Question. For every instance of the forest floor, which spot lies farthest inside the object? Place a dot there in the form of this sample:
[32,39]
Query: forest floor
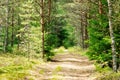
[67,66]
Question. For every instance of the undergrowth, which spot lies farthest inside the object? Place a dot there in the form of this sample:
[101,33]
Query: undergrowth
[106,73]
[14,67]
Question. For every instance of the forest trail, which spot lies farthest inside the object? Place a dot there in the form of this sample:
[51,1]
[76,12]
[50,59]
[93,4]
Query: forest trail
[65,67]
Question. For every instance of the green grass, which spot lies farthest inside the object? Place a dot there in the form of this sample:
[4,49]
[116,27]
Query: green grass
[75,49]
[59,50]
[55,74]
[14,67]
[106,73]
[57,69]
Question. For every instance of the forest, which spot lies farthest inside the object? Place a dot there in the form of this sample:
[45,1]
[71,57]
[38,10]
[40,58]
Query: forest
[59,39]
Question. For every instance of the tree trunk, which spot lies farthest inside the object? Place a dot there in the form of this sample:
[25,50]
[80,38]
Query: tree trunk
[12,36]
[82,31]
[100,7]
[85,30]
[6,27]
[49,10]
[42,24]
[18,41]
[112,36]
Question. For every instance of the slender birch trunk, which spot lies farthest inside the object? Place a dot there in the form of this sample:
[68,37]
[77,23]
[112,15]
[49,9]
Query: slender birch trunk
[112,36]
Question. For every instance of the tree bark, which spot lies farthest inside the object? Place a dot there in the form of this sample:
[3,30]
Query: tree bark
[18,41]
[42,24]
[100,7]
[112,36]
[6,27]
[85,29]
[12,36]
[49,10]
[82,30]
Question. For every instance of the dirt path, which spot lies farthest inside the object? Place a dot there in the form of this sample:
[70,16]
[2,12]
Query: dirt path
[65,67]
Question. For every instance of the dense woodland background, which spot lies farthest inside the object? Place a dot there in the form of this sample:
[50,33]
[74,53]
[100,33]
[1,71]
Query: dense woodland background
[32,28]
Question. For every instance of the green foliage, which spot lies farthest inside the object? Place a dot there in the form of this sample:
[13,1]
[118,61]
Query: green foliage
[102,70]
[49,55]
[99,41]
[69,41]
[58,32]
[99,37]
[117,38]
[24,28]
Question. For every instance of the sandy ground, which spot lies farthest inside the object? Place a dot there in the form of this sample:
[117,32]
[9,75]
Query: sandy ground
[64,67]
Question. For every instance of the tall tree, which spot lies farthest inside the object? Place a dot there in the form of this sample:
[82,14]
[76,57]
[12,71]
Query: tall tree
[43,25]
[12,24]
[112,35]
[6,26]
